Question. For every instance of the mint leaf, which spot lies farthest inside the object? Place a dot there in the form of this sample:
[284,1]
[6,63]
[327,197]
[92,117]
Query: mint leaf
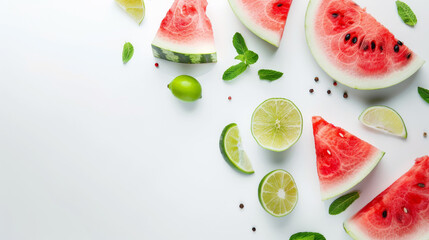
[338,206]
[239,43]
[406,13]
[127,52]
[240,57]
[234,71]
[270,75]
[424,93]
[251,57]
[307,236]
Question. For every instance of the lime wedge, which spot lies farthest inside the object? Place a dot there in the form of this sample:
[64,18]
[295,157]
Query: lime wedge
[278,193]
[384,119]
[134,8]
[232,150]
[276,124]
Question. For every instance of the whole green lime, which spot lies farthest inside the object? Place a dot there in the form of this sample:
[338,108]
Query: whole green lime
[185,88]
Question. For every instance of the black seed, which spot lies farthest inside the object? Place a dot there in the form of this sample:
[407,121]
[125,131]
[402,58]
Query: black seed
[425,134]
[381,48]
[400,43]
[347,37]
[396,48]
[409,56]
[422,185]
[311,90]
[280,4]
[365,48]
[316,79]
[329,91]
[372,45]
[334,15]
[254,229]
[345,95]
[241,205]
[384,213]
[354,40]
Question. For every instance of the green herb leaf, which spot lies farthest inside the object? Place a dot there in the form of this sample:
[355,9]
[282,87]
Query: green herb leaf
[424,93]
[341,204]
[127,52]
[234,71]
[270,75]
[239,43]
[406,13]
[307,236]
[251,57]
[240,57]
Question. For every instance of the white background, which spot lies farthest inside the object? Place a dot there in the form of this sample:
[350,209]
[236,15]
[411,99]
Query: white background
[94,149]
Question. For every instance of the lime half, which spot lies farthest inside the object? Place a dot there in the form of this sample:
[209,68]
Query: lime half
[232,150]
[134,8]
[278,193]
[276,124]
[384,119]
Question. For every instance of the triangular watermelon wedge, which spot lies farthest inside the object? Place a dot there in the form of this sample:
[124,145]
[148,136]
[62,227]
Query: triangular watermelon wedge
[343,160]
[400,212]
[186,34]
[265,18]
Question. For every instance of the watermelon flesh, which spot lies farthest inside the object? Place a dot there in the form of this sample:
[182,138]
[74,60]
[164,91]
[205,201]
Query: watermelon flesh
[186,34]
[355,49]
[265,18]
[343,160]
[401,212]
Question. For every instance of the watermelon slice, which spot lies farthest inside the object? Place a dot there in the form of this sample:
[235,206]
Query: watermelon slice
[186,34]
[355,49]
[343,160]
[401,212]
[265,18]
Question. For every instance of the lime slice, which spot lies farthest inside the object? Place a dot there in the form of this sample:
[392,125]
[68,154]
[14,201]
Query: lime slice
[384,119]
[232,151]
[278,193]
[276,124]
[134,8]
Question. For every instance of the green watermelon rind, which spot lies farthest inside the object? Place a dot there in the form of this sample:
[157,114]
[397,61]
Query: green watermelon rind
[344,78]
[362,175]
[253,29]
[189,58]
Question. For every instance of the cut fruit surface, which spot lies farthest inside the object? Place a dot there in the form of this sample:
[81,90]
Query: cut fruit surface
[354,49]
[400,212]
[265,18]
[186,34]
[278,193]
[384,119]
[343,160]
[232,150]
[276,124]
[134,8]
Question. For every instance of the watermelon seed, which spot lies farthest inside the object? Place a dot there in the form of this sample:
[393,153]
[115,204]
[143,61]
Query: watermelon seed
[316,79]
[384,214]
[365,48]
[373,45]
[341,135]
[409,56]
[347,37]
[381,48]
[396,48]
[354,40]
[329,152]
[254,229]
[422,185]
[311,90]
[345,95]
[280,4]
[335,83]
[329,91]
[425,134]
[334,15]
[241,206]
[400,43]
[405,210]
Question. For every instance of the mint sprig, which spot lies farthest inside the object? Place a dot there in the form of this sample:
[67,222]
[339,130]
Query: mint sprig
[246,57]
[127,52]
[341,204]
[307,236]
[407,15]
[424,94]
